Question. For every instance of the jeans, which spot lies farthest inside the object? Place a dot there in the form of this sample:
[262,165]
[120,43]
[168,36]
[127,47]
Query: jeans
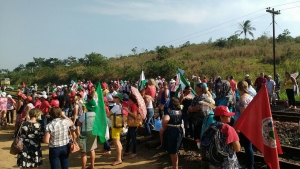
[66,110]
[131,137]
[11,114]
[59,154]
[148,122]
[106,146]
[248,151]
[197,131]
[43,122]
[188,125]
[291,96]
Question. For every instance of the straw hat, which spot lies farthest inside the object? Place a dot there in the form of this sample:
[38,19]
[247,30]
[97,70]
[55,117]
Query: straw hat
[208,102]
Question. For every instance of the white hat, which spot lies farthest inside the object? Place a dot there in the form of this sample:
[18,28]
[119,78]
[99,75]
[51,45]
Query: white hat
[65,85]
[44,93]
[247,75]
[44,96]
[37,95]
[9,96]
[59,87]
[3,94]
[172,81]
[269,76]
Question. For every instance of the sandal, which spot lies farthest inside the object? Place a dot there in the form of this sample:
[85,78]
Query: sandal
[107,153]
[132,156]
[116,163]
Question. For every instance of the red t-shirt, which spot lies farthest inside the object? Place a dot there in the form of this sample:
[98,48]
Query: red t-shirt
[45,107]
[204,81]
[134,108]
[37,104]
[72,94]
[233,85]
[54,103]
[260,81]
[230,133]
[151,91]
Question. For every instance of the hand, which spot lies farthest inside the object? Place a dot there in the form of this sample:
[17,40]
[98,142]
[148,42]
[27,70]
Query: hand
[47,116]
[23,119]
[126,109]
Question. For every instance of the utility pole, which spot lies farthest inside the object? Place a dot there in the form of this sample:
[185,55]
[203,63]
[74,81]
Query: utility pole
[273,12]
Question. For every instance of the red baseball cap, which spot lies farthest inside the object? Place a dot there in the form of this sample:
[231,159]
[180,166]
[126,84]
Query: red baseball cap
[29,98]
[223,111]
[22,96]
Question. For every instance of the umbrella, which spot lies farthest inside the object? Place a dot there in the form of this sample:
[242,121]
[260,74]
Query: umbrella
[140,101]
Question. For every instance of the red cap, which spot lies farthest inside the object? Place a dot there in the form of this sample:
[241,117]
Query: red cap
[22,96]
[223,111]
[54,96]
[29,98]
[104,85]
[73,93]
[105,99]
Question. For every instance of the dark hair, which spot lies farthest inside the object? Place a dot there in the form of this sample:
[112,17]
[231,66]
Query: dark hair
[174,104]
[133,98]
[231,77]
[165,83]
[217,118]
[90,97]
[203,89]
[66,91]
[248,81]
[55,112]
[187,87]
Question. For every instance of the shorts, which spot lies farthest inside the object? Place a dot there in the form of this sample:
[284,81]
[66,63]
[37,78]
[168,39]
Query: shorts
[19,118]
[116,133]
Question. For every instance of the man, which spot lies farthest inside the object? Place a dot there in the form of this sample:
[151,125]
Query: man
[247,76]
[110,95]
[172,86]
[44,107]
[277,88]
[260,81]
[271,90]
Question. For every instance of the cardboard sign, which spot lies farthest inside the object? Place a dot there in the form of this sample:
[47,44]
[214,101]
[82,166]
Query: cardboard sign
[3,103]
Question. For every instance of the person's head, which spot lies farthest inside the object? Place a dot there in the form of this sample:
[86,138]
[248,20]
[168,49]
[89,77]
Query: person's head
[160,85]
[132,99]
[174,104]
[91,105]
[54,96]
[76,98]
[34,113]
[222,114]
[187,89]
[230,77]
[165,85]
[207,104]
[9,97]
[276,75]
[242,87]
[269,77]
[90,97]
[287,75]
[143,92]
[28,99]
[93,89]
[200,89]
[43,97]
[151,82]
[262,74]
[66,91]
[21,97]
[247,76]
[55,112]
[111,88]
[118,98]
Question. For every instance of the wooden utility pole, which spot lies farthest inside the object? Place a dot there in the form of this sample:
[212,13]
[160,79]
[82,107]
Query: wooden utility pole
[273,12]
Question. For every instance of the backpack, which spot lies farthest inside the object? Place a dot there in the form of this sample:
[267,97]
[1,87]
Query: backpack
[213,145]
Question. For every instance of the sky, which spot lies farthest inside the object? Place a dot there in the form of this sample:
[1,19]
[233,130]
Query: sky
[59,29]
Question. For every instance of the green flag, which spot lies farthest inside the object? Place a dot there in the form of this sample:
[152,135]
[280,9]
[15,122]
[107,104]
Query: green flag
[182,82]
[142,81]
[100,123]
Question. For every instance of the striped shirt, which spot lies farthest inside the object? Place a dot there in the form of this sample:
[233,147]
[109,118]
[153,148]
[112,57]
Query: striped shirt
[58,130]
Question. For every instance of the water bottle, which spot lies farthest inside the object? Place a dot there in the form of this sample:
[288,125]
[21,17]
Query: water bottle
[157,124]
[198,143]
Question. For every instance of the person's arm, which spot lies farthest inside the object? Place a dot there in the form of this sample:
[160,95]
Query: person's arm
[27,113]
[165,121]
[75,113]
[293,80]
[236,146]
[46,138]
[19,105]
[181,99]
[132,113]
[63,116]
[242,108]
[147,100]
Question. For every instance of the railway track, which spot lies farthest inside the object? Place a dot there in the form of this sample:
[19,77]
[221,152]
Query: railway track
[286,116]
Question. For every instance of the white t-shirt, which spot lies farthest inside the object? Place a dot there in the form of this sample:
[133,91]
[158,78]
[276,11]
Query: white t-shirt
[270,85]
[89,121]
[116,109]
[31,106]
[109,97]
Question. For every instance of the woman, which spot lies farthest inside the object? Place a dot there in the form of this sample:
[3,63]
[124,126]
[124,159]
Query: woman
[224,95]
[94,94]
[116,132]
[56,135]
[77,112]
[151,88]
[208,104]
[195,112]
[20,106]
[28,107]
[289,83]
[131,134]
[173,133]
[244,101]
[86,121]
[229,140]
[150,113]
[164,100]
[186,100]
[32,135]
[11,105]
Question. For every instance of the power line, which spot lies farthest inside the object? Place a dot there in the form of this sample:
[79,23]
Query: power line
[290,8]
[285,4]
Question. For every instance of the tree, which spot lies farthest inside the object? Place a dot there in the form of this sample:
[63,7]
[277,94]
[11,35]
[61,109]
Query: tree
[134,50]
[245,27]
[39,62]
[162,52]
[284,36]
[19,68]
[95,59]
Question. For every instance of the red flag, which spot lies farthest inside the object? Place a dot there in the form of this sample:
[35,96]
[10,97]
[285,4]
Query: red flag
[256,123]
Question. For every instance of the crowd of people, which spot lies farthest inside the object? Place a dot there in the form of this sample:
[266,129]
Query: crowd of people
[69,112]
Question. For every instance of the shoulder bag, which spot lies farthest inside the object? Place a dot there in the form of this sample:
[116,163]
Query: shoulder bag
[74,147]
[135,122]
[17,145]
[118,120]
[82,139]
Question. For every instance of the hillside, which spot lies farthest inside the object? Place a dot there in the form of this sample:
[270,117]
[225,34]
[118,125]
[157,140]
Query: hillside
[225,56]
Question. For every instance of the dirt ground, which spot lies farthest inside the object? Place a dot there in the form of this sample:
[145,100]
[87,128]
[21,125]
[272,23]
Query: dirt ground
[147,158]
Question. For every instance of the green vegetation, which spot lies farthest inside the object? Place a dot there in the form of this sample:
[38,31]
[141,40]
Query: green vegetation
[224,56]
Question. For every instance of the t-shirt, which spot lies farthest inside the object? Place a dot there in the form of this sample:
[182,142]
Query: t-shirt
[134,108]
[116,109]
[29,105]
[44,107]
[54,103]
[37,103]
[151,91]
[109,97]
[233,85]
[270,86]
[89,121]
[67,101]
[230,133]
[260,81]
[252,91]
